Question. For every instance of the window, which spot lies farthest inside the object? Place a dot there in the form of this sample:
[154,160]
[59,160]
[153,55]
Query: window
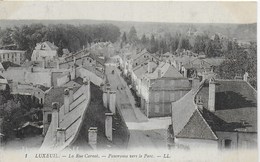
[157,97]
[41,101]
[49,118]
[227,143]
[157,109]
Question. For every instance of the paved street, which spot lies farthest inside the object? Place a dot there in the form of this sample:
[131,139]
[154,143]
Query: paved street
[144,132]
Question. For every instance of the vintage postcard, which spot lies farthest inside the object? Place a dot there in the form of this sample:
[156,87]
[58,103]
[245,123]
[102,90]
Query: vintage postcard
[128,81]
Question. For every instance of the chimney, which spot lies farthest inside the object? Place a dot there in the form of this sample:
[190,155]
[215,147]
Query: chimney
[74,60]
[43,63]
[105,99]
[92,137]
[180,65]
[159,73]
[212,89]
[195,82]
[112,101]
[149,67]
[106,96]
[86,83]
[245,76]
[108,126]
[199,103]
[55,115]
[71,94]
[73,72]
[58,64]
[60,136]
[66,101]
[185,72]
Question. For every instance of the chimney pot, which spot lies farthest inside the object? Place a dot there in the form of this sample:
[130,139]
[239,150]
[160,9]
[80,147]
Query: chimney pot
[112,101]
[212,93]
[60,136]
[66,101]
[92,137]
[55,115]
[108,126]
[71,94]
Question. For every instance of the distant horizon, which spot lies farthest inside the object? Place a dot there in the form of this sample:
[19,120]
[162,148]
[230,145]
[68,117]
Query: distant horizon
[201,12]
[125,21]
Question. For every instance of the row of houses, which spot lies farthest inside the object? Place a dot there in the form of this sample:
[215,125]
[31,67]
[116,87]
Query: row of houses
[206,112]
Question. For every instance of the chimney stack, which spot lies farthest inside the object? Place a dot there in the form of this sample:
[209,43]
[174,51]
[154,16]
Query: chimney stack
[199,102]
[105,99]
[112,101]
[43,63]
[149,67]
[184,72]
[71,94]
[92,137]
[108,126]
[74,60]
[86,83]
[195,82]
[245,77]
[60,136]
[106,96]
[180,65]
[58,64]
[212,92]
[159,73]
[55,115]
[66,101]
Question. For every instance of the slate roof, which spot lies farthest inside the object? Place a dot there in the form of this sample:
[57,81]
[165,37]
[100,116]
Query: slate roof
[167,71]
[141,70]
[136,56]
[50,45]
[197,128]
[235,101]
[43,88]
[71,121]
[55,95]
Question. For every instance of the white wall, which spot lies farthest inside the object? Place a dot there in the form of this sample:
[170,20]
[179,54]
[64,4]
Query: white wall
[90,75]
[194,144]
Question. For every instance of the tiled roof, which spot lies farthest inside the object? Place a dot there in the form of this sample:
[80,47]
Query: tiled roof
[235,101]
[55,95]
[167,71]
[197,128]
[51,45]
[184,59]
[71,121]
[141,70]
[183,109]
[136,56]
[43,88]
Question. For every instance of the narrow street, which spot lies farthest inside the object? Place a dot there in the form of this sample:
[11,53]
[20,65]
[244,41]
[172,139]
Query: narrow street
[144,132]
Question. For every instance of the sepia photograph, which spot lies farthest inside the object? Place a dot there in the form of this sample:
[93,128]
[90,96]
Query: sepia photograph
[128,80]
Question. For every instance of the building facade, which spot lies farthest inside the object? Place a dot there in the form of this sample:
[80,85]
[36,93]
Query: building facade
[14,56]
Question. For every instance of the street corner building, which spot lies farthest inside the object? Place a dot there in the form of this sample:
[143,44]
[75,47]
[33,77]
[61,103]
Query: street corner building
[216,114]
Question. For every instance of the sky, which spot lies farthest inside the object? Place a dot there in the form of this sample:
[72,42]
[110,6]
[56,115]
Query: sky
[169,11]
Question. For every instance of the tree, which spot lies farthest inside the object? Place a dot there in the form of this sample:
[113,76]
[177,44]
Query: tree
[132,36]
[124,39]
[153,47]
[143,39]
[209,51]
